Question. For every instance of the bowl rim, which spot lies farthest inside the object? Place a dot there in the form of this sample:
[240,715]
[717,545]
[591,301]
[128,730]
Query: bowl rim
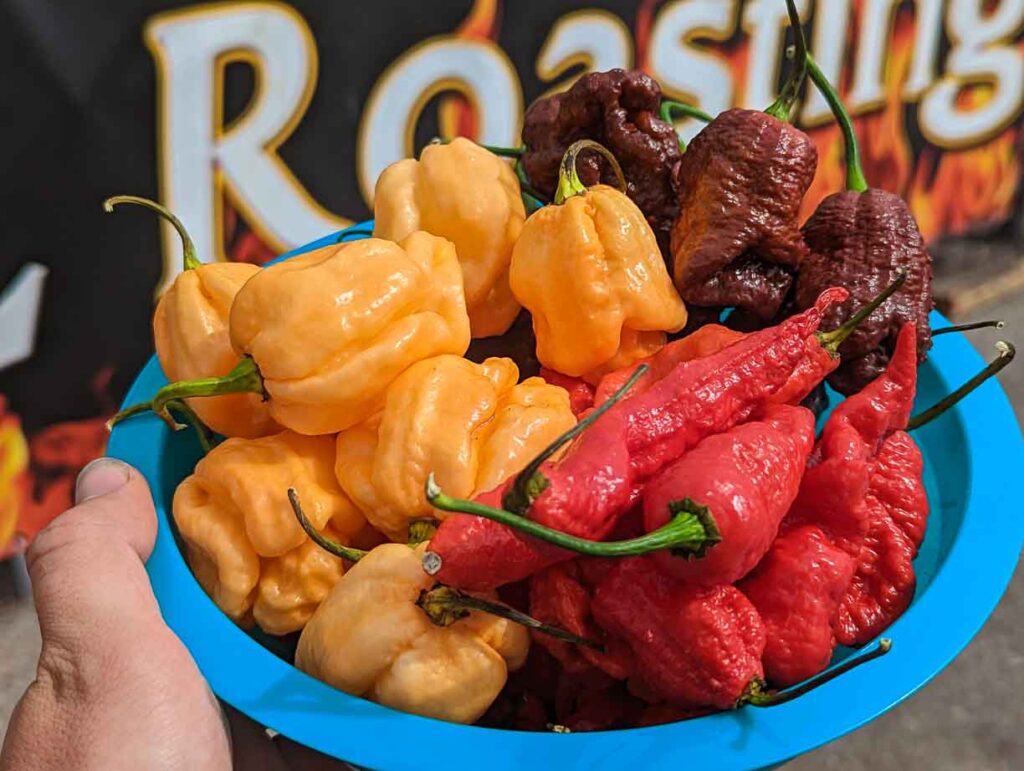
[977,566]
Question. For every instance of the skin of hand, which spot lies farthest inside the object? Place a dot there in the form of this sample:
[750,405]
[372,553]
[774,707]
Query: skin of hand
[115,688]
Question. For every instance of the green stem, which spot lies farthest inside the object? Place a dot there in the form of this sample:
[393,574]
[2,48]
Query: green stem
[203,433]
[328,544]
[782,106]
[993,323]
[690,532]
[244,378]
[526,186]
[421,530]
[529,483]
[1006,354]
[855,179]
[569,183]
[756,696]
[670,108]
[832,340]
[190,261]
[445,605]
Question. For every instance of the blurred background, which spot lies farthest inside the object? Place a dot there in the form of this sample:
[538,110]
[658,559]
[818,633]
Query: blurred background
[264,125]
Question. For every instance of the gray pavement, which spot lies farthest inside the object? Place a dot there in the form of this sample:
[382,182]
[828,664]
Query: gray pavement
[969,718]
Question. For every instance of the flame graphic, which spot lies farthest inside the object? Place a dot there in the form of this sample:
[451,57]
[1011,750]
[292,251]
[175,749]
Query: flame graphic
[13,474]
[455,114]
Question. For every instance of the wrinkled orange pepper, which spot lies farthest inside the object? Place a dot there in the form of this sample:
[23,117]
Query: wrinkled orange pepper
[470,196]
[589,270]
[190,331]
[470,424]
[242,540]
[323,335]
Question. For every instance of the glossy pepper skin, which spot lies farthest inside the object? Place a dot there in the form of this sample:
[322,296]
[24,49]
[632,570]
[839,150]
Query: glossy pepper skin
[619,109]
[369,639]
[589,269]
[331,329]
[736,240]
[472,425]
[464,193]
[581,393]
[747,477]
[599,478]
[692,646]
[797,589]
[190,331]
[241,538]
[860,240]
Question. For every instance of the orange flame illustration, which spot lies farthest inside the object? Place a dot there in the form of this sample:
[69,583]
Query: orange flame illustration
[455,114]
[13,474]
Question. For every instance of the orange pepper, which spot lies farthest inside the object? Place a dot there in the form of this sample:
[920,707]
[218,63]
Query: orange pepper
[590,272]
[470,196]
[190,331]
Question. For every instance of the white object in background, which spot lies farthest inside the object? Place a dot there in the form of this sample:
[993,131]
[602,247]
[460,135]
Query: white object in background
[19,313]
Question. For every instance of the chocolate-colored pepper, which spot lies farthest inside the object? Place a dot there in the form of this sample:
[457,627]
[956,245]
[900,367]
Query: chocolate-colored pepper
[860,239]
[736,241]
[619,109]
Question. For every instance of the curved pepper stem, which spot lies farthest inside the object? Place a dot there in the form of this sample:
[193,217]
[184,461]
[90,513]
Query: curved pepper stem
[569,183]
[529,483]
[669,109]
[203,433]
[445,605]
[855,179]
[832,340]
[244,378]
[527,190]
[782,106]
[1006,354]
[993,323]
[327,544]
[191,260]
[757,696]
[690,532]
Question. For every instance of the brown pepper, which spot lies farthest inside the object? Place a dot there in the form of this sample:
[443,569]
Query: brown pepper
[861,240]
[619,109]
[736,240]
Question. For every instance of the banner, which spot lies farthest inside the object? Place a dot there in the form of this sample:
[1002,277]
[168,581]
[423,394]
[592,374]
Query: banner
[264,125]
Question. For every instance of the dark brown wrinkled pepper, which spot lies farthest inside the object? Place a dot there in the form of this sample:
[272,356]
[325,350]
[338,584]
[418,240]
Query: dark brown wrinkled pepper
[860,239]
[736,241]
[619,109]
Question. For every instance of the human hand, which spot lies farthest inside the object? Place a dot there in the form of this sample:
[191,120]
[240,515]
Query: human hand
[115,688]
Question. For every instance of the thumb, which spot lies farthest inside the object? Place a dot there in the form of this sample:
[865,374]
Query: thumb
[87,566]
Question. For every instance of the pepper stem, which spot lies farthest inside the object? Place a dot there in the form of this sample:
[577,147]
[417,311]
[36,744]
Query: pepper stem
[445,605]
[689,532]
[670,108]
[756,696]
[855,179]
[782,106]
[244,378]
[190,260]
[526,187]
[421,530]
[569,183]
[1006,354]
[203,433]
[327,544]
[994,323]
[832,340]
[529,483]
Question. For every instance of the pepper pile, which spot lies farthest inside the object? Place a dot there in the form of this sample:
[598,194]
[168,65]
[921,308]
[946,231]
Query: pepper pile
[658,517]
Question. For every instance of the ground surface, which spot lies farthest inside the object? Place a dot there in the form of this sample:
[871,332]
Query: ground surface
[970,717]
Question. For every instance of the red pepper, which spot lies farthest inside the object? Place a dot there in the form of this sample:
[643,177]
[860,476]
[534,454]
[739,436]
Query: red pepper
[692,646]
[897,480]
[747,477]
[559,596]
[709,339]
[581,393]
[797,589]
[586,492]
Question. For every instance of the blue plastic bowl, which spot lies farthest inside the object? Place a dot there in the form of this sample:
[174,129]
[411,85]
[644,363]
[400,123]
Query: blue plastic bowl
[974,457]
